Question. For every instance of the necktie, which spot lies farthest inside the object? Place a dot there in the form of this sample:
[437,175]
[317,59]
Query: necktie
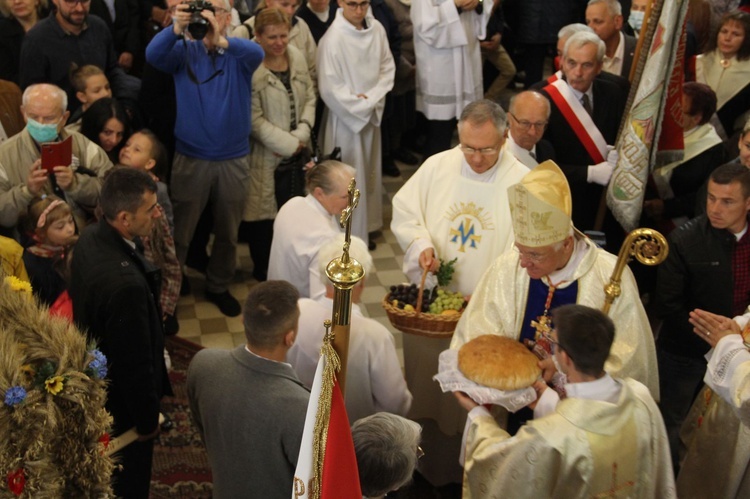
[586,103]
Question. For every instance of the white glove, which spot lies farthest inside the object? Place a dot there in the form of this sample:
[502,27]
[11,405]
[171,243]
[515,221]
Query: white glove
[600,174]
[612,156]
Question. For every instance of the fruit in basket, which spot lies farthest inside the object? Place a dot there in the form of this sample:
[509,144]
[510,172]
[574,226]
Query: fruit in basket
[446,300]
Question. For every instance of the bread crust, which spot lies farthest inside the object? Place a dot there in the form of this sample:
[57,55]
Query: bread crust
[498,362]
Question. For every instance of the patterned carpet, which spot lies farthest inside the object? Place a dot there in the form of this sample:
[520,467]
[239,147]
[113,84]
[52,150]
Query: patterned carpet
[180,468]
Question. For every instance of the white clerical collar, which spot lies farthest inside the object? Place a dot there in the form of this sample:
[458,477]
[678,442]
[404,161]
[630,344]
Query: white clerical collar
[266,358]
[523,155]
[605,389]
[568,271]
[614,64]
[486,177]
[323,16]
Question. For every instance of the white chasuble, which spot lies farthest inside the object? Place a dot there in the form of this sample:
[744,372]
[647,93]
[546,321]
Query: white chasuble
[716,433]
[459,217]
[498,306]
[354,62]
[587,448]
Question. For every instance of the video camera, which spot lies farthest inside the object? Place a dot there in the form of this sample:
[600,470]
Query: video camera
[198,26]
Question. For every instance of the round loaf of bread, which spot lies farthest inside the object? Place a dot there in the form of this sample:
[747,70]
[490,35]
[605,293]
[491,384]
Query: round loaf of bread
[498,362]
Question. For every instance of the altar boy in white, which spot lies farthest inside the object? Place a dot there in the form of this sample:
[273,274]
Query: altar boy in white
[355,72]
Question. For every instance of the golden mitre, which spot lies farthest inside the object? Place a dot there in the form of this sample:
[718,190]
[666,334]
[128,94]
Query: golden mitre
[541,206]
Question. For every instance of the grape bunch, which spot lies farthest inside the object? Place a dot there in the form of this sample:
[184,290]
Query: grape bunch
[447,300]
[405,297]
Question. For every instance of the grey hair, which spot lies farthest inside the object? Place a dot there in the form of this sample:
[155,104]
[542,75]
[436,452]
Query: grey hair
[539,97]
[613,6]
[746,128]
[482,111]
[583,38]
[333,249]
[39,87]
[325,175]
[572,29]
[386,449]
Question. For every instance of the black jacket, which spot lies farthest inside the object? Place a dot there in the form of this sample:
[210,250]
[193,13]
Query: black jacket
[696,274]
[115,295]
[125,29]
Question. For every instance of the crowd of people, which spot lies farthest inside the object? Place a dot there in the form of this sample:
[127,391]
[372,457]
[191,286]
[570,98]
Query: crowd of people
[133,131]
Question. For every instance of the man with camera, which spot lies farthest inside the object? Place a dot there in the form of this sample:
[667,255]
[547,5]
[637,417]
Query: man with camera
[212,77]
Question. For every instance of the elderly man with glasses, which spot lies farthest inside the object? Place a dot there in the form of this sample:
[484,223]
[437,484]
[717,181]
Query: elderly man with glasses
[529,115]
[455,206]
[551,265]
[71,36]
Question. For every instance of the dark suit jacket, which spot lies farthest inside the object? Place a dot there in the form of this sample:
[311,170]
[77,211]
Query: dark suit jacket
[628,54]
[622,83]
[572,156]
[115,294]
[545,151]
[125,29]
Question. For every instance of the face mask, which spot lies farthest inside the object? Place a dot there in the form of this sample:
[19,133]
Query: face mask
[41,133]
[636,19]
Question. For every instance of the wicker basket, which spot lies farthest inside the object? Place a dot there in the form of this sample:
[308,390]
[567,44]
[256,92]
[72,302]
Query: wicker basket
[416,322]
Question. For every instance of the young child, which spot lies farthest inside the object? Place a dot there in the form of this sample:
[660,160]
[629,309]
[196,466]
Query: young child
[91,84]
[143,151]
[49,223]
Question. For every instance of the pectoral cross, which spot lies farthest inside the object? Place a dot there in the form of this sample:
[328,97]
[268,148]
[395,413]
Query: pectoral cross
[346,218]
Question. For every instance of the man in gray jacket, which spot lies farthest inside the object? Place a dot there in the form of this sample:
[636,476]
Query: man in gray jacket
[248,404]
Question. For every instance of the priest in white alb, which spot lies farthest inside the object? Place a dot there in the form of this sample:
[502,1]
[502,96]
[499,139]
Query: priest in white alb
[455,206]
[606,438]
[355,72]
[552,264]
[449,62]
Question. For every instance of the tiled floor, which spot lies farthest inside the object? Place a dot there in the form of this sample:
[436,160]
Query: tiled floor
[201,322]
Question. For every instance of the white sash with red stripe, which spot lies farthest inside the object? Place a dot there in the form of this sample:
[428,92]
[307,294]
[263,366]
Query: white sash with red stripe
[578,119]
[557,75]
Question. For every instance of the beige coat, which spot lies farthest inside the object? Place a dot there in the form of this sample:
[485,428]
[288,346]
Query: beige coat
[271,139]
[19,153]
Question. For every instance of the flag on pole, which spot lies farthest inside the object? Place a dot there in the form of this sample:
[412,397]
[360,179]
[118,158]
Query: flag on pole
[652,131]
[327,465]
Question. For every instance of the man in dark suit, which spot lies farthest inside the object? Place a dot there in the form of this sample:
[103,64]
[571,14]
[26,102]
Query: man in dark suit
[527,119]
[115,294]
[122,19]
[605,18]
[583,124]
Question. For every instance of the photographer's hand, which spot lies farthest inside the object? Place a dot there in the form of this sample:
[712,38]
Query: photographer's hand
[181,19]
[214,38]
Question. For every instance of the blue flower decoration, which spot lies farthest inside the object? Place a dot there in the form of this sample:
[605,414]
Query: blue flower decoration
[99,364]
[15,395]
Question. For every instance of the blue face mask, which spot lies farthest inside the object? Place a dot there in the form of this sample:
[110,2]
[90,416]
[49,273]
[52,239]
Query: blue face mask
[40,132]
[636,19]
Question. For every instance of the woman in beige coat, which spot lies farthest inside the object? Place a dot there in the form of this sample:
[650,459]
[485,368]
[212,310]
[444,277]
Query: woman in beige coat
[283,113]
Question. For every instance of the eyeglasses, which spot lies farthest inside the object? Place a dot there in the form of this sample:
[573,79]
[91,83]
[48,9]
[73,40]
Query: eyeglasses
[526,125]
[357,5]
[532,256]
[72,3]
[420,452]
[485,151]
